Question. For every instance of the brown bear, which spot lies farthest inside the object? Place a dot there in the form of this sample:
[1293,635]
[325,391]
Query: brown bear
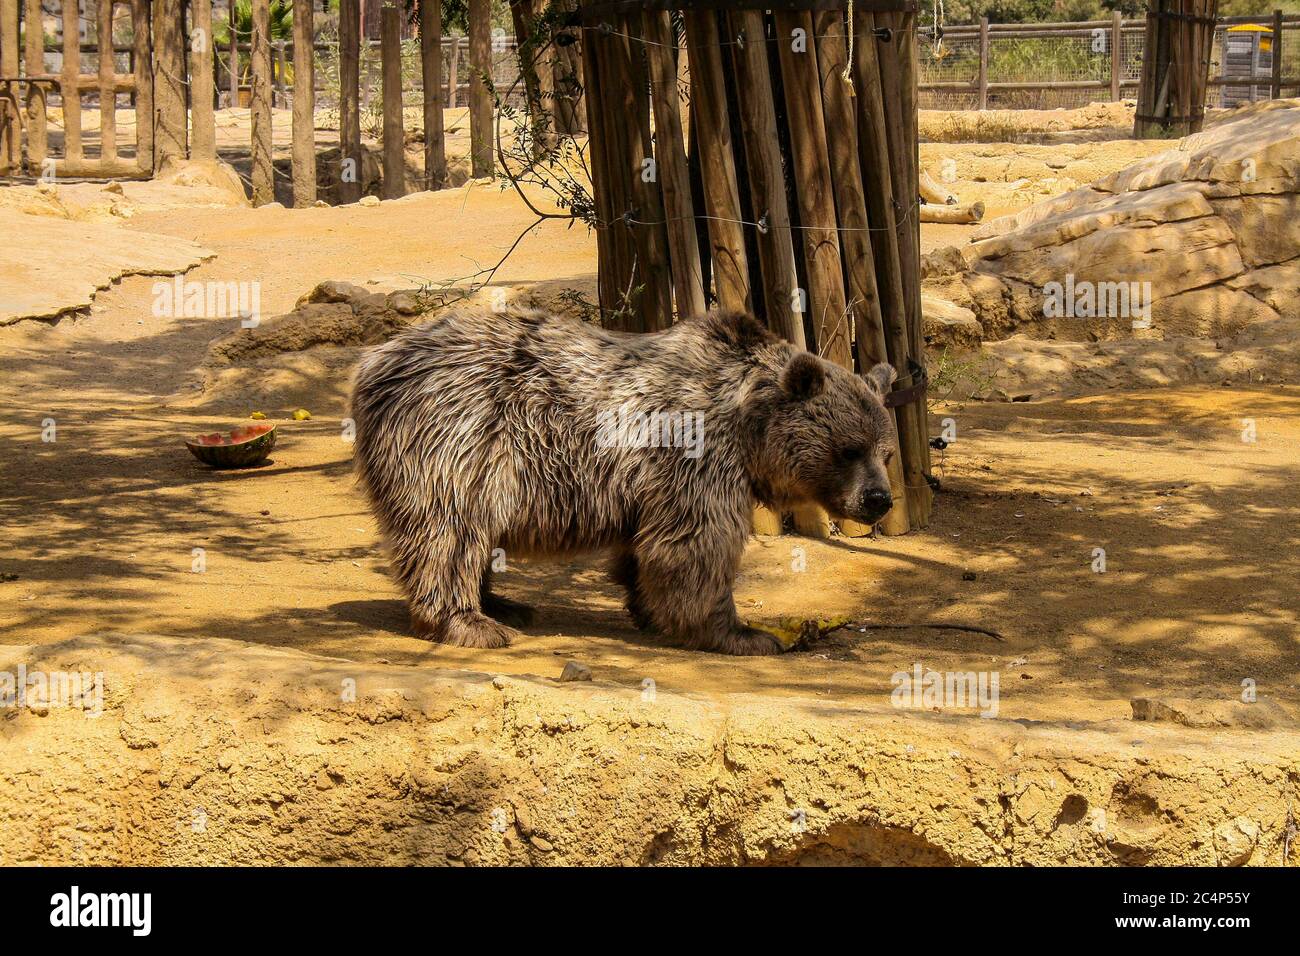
[543,435]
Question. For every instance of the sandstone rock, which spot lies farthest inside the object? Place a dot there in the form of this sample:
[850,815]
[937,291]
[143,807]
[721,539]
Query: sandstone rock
[949,325]
[368,201]
[573,671]
[1211,713]
[1266,228]
[1235,841]
[1277,286]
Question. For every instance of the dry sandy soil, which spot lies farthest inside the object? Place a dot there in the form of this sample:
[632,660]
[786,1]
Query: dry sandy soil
[228,733]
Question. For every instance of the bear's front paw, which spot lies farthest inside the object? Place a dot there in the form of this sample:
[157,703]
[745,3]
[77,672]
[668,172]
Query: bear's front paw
[470,630]
[748,641]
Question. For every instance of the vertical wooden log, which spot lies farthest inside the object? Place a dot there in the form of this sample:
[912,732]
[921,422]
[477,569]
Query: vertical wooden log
[568,79]
[11,126]
[435,148]
[983,80]
[873,147]
[1116,54]
[670,157]
[234,56]
[757,108]
[69,88]
[482,145]
[453,74]
[202,82]
[534,66]
[263,170]
[107,80]
[349,109]
[33,38]
[1277,54]
[390,52]
[606,187]
[897,63]
[38,138]
[34,64]
[729,263]
[838,101]
[812,178]
[629,132]
[9,37]
[144,115]
[304,108]
[171,125]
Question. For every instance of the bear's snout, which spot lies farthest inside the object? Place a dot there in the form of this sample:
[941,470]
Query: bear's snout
[875,504]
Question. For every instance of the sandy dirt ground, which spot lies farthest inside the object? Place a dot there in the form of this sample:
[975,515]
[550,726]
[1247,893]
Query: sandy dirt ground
[100,526]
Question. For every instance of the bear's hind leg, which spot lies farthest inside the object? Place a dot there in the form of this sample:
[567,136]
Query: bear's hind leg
[686,590]
[502,609]
[443,578]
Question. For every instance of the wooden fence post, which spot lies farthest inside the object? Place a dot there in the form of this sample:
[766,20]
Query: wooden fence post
[351,168]
[71,95]
[144,116]
[34,59]
[453,73]
[984,64]
[8,37]
[730,264]
[201,78]
[1116,54]
[390,53]
[435,149]
[1277,54]
[670,158]
[234,58]
[263,170]
[482,147]
[11,124]
[304,108]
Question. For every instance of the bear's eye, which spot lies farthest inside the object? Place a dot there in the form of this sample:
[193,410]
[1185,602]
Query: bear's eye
[853,453]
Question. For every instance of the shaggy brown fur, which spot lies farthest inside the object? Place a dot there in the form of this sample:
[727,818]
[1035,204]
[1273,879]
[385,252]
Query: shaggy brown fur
[484,430]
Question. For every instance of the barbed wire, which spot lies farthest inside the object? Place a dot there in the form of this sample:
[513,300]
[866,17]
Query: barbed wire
[762,225]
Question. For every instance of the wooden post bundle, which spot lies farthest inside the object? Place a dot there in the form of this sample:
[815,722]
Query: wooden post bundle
[1175,68]
[304,108]
[350,165]
[820,183]
[481,138]
[435,150]
[390,52]
[263,170]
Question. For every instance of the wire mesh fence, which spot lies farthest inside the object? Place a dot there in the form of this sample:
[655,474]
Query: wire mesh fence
[1068,65]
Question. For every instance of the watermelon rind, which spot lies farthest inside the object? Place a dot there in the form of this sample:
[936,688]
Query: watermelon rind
[244,454]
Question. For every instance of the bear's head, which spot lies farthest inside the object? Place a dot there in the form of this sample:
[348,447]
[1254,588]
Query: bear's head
[820,433]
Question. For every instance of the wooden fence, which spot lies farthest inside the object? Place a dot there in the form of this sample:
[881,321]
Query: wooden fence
[1047,65]
[177,77]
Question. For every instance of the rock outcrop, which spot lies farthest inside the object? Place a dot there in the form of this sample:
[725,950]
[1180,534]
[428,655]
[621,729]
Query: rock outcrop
[1188,253]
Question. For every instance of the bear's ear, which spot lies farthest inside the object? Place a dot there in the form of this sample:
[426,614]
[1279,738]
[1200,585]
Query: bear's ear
[880,378]
[803,377]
